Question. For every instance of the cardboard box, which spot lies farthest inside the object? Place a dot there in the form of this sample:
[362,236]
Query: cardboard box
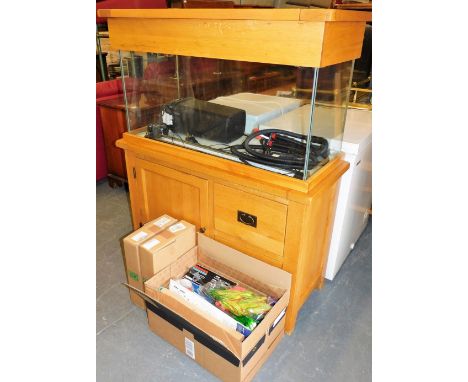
[131,252]
[165,248]
[222,351]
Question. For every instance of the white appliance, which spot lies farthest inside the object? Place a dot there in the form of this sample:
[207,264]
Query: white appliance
[259,108]
[355,192]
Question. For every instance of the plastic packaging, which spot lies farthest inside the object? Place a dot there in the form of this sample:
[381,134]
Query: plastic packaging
[240,302]
[181,288]
[202,278]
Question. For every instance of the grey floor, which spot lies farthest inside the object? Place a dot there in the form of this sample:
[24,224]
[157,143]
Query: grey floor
[332,340]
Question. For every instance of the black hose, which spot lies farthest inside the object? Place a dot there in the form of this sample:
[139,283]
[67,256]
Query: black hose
[283,149]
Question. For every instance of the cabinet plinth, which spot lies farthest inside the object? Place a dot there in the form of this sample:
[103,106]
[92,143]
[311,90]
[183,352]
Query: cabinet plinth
[282,221]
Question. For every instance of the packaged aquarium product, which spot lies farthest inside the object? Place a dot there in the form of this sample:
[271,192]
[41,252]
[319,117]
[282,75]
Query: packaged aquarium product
[201,277]
[181,288]
[240,301]
[245,306]
[241,308]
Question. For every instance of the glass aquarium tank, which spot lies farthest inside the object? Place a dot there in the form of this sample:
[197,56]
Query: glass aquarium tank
[281,118]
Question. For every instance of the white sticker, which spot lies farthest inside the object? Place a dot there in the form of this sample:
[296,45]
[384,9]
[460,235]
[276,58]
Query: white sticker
[139,236]
[176,227]
[151,243]
[167,118]
[189,348]
[163,221]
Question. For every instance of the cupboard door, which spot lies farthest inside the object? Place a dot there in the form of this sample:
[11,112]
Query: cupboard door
[167,191]
[250,223]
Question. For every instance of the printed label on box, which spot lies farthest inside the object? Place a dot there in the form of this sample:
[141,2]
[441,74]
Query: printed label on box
[177,227]
[189,348]
[163,221]
[139,236]
[151,243]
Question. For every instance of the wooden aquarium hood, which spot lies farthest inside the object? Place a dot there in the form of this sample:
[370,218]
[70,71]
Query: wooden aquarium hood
[299,37]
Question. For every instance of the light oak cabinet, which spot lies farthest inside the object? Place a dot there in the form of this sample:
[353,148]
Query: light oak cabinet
[283,221]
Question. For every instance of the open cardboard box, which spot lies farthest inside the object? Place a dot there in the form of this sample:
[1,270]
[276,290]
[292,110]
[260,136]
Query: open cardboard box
[223,351]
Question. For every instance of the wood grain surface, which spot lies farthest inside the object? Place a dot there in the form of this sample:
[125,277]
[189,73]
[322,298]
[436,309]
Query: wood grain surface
[276,36]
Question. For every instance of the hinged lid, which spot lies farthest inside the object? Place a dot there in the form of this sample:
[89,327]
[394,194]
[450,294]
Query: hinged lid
[300,37]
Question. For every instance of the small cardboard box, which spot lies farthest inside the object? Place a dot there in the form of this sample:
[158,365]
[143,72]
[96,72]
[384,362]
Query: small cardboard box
[165,248]
[222,351]
[131,252]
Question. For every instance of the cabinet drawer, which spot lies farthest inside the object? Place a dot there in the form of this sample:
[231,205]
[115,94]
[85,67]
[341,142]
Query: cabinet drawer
[250,223]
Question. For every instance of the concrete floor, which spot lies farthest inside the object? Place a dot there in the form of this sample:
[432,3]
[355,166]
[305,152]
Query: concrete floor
[332,340]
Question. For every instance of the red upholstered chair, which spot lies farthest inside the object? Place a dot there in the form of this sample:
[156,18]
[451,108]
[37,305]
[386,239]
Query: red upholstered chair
[159,70]
[207,4]
[104,90]
[127,4]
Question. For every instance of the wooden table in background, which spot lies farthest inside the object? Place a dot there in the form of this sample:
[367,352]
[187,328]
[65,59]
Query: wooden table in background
[114,124]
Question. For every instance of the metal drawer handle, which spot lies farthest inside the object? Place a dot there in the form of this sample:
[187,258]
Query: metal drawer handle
[246,218]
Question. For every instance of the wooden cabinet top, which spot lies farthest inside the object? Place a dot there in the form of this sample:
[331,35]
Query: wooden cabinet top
[300,37]
[210,166]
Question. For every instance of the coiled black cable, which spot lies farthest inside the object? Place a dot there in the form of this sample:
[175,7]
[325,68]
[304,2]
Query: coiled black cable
[282,149]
